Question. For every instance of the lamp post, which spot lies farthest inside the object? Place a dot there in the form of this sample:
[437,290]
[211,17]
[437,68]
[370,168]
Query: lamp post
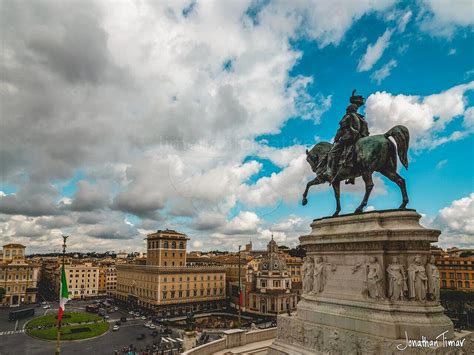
[58,337]
[240,289]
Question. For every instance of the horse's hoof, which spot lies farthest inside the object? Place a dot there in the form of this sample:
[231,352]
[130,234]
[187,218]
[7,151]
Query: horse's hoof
[335,214]
[304,202]
[403,206]
[359,210]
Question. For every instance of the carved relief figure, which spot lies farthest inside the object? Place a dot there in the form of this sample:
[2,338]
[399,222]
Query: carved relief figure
[308,270]
[397,283]
[319,275]
[432,273]
[417,280]
[313,338]
[375,279]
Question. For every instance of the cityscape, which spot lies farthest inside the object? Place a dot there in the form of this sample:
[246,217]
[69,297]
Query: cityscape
[261,177]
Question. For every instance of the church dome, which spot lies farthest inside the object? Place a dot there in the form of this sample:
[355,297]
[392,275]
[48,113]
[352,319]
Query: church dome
[273,261]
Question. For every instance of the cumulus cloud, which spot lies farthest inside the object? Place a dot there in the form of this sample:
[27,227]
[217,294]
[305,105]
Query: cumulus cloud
[155,108]
[443,18]
[457,223]
[374,52]
[426,117]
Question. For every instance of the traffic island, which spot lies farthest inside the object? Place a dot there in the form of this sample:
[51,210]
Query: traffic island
[75,326]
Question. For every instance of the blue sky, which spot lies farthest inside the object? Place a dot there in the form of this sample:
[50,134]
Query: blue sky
[120,120]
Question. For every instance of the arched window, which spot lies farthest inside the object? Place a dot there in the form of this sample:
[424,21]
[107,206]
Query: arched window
[173,245]
[181,245]
[165,244]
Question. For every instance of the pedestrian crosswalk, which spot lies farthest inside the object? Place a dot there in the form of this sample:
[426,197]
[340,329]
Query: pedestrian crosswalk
[11,332]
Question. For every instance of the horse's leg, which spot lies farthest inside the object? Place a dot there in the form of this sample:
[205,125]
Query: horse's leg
[337,193]
[397,179]
[315,181]
[369,184]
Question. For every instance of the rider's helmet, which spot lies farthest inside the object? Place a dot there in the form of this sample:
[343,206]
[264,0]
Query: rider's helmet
[357,100]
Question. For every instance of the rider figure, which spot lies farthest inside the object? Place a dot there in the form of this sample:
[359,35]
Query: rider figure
[353,126]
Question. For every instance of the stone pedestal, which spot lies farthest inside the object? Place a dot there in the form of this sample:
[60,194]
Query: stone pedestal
[189,340]
[368,284]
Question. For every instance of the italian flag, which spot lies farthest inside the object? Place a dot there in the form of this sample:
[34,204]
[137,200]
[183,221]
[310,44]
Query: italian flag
[63,294]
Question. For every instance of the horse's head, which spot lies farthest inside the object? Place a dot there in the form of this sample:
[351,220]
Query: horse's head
[317,154]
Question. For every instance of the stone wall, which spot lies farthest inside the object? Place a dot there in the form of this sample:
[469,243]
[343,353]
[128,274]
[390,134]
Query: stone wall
[234,338]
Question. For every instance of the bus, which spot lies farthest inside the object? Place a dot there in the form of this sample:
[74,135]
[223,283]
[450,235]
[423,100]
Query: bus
[21,313]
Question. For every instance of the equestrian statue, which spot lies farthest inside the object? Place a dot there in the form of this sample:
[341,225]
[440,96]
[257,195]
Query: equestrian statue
[356,153]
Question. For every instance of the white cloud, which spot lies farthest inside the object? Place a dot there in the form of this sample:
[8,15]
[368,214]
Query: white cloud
[457,223]
[135,97]
[442,18]
[403,21]
[384,72]
[197,244]
[426,117]
[374,52]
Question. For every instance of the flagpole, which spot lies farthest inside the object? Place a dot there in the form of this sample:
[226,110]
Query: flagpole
[240,291]
[58,337]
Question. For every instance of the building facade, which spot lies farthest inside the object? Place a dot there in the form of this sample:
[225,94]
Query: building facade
[18,277]
[271,290]
[456,269]
[166,285]
[82,280]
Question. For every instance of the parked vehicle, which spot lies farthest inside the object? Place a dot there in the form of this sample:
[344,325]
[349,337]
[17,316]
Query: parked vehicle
[115,327]
[46,306]
[123,319]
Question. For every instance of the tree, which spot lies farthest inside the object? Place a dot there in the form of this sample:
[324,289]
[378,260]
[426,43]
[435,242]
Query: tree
[298,251]
[2,293]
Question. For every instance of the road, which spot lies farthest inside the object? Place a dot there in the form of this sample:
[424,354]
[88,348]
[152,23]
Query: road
[13,339]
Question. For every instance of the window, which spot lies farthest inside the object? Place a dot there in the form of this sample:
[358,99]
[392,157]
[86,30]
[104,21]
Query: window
[180,294]
[466,276]
[165,245]
[173,245]
[443,275]
[164,295]
[460,284]
[173,294]
[166,263]
[451,275]
[187,293]
[466,284]
[181,246]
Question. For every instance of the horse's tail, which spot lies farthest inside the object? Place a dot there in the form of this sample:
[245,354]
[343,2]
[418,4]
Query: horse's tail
[402,138]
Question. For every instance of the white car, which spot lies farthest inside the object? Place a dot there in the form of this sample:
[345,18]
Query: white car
[131,313]
[152,326]
[115,327]
[143,317]
[46,306]
[115,309]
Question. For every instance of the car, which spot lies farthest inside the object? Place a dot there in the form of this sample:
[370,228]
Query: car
[118,323]
[115,309]
[131,313]
[143,318]
[115,327]
[146,324]
[44,303]
[141,336]
[154,333]
[123,319]
[152,326]
[106,317]
[46,306]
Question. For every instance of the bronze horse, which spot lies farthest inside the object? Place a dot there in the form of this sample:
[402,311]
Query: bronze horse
[372,153]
